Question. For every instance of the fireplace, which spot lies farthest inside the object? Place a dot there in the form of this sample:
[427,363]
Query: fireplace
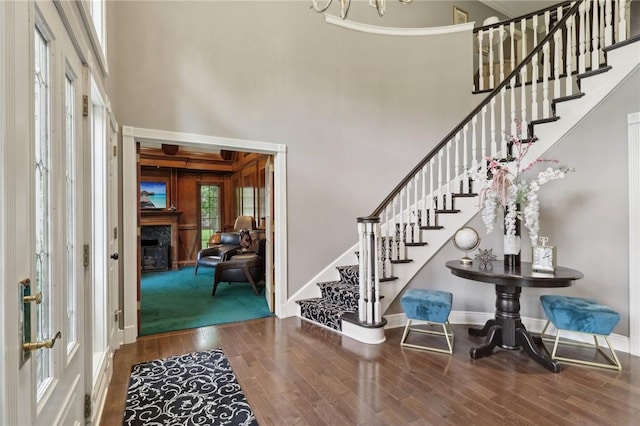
[155,256]
[159,226]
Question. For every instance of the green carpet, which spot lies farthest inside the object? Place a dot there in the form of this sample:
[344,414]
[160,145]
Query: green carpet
[178,300]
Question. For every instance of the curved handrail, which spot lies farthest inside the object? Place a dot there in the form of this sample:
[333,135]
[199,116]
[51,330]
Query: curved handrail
[559,25]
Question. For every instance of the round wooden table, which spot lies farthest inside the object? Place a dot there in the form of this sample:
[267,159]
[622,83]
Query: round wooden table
[506,329]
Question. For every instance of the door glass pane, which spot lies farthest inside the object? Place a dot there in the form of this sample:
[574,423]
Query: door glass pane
[70,213]
[209,212]
[42,206]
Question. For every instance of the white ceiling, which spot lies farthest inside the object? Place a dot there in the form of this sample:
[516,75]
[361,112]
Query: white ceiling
[515,8]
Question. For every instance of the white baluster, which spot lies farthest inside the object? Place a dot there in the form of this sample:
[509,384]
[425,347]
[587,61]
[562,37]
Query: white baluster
[512,45]
[440,203]
[514,111]
[523,46]
[601,31]
[362,309]
[401,250]
[535,72]
[595,38]
[582,42]
[474,142]
[622,21]
[570,46]
[394,235]
[480,61]
[385,246]
[432,207]
[546,59]
[501,35]
[523,99]
[465,161]
[377,316]
[503,114]
[608,18]
[415,228]
[408,213]
[456,165]
[424,195]
[491,76]
[448,178]
[557,58]
[492,117]
[588,34]
[483,141]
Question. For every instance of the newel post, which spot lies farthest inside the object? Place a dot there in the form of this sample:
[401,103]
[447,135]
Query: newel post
[369,303]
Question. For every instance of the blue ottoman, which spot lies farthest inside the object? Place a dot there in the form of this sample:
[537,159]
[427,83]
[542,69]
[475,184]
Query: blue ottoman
[431,306]
[581,315]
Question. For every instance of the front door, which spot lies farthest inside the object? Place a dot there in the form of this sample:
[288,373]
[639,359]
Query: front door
[49,250]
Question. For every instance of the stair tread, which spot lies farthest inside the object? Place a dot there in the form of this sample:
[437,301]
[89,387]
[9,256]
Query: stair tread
[432,227]
[448,211]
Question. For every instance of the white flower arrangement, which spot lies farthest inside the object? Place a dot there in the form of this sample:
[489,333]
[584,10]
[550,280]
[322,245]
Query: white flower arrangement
[503,189]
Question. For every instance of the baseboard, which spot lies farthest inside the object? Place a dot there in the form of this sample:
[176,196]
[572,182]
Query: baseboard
[130,334]
[535,325]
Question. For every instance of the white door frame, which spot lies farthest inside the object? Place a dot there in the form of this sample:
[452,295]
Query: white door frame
[130,201]
[633,121]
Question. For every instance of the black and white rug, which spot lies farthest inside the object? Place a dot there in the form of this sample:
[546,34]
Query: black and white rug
[193,389]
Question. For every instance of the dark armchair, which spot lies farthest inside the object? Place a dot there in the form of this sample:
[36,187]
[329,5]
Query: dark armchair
[242,268]
[229,243]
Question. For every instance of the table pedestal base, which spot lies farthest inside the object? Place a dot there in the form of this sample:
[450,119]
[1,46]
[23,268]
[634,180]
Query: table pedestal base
[508,332]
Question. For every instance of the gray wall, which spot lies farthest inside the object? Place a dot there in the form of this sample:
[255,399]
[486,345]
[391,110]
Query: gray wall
[357,112]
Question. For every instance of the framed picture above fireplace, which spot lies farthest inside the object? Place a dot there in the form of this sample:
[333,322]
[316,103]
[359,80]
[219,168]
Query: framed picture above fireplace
[153,195]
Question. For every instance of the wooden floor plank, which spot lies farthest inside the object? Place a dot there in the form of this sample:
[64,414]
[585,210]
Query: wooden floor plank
[295,373]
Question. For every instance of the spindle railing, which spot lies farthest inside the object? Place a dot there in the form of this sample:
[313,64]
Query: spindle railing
[428,190]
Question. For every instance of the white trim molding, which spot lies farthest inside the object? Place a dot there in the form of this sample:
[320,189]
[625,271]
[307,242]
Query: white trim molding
[131,135]
[633,121]
[390,31]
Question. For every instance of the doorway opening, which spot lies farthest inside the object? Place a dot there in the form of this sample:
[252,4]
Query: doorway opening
[269,217]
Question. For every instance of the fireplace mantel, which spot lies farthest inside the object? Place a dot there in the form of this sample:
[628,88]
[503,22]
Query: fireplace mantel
[160,218]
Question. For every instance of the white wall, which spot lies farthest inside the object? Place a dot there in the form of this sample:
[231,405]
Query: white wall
[356,111]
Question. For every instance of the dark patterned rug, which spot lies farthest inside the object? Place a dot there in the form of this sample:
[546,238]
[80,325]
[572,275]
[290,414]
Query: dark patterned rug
[193,389]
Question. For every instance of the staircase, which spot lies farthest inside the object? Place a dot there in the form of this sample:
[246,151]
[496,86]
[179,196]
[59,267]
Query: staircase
[578,61]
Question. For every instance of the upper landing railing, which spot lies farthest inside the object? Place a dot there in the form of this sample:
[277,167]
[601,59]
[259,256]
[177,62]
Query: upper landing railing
[570,43]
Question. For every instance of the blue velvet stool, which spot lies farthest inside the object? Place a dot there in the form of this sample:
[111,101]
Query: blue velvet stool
[432,306]
[581,315]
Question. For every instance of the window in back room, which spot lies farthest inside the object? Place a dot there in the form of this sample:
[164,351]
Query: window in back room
[210,222]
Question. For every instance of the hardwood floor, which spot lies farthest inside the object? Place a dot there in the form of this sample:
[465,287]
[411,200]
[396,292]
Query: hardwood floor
[295,373]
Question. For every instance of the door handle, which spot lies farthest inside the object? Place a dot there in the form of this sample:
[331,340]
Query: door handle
[36,298]
[115,256]
[48,344]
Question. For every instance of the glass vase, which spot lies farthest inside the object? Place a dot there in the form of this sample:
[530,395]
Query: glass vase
[511,245]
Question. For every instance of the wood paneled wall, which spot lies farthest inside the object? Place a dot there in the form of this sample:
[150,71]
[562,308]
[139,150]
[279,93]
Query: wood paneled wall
[183,177]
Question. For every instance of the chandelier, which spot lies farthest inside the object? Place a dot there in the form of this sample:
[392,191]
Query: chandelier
[344,6]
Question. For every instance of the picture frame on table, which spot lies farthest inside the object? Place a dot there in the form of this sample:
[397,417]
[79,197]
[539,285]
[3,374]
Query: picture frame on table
[459,16]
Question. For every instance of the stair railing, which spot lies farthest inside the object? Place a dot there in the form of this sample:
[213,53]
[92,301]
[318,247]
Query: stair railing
[429,189]
[499,45]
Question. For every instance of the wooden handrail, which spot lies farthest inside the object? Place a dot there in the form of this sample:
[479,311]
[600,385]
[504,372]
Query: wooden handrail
[555,7]
[476,110]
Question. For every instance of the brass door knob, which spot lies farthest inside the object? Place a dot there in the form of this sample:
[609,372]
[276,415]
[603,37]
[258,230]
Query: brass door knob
[47,344]
[34,298]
